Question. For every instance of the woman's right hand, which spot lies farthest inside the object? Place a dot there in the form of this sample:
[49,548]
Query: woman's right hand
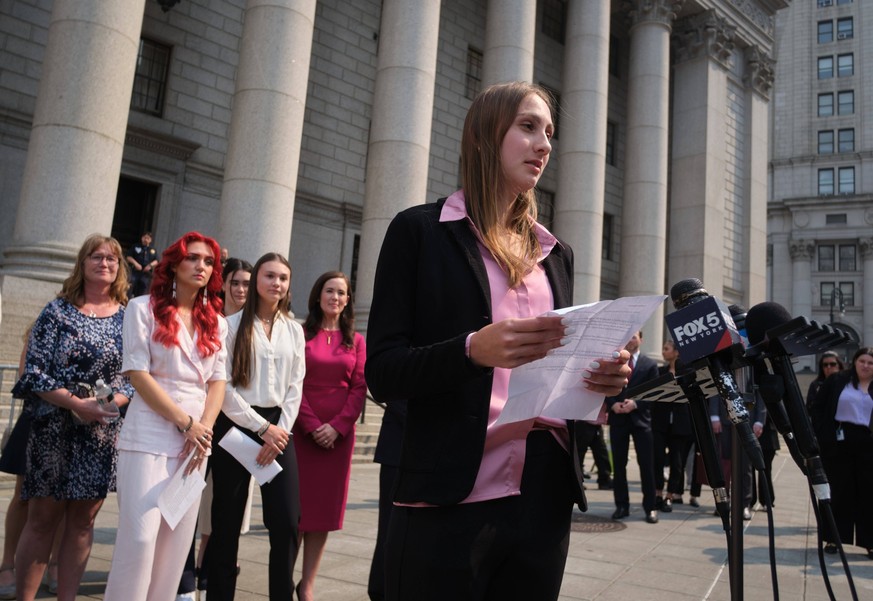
[275,441]
[200,437]
[513,342]
[90,411]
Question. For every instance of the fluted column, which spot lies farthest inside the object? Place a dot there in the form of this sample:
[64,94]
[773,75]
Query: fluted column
[510,31]
[644,213]
[582,177]
[399,149]
[74,155]
[266,128]
[866,247]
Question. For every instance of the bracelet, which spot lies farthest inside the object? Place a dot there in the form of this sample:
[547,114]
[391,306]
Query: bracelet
[263,429]
[188,427]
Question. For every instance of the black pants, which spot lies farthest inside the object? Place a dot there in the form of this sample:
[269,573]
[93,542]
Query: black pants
[619,438]
[376,583]
[507,549]
[671,448]
[850,474]
[591,436]
[281,501]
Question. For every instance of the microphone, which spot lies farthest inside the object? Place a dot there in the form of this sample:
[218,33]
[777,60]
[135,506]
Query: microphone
[704,332]
[775,337]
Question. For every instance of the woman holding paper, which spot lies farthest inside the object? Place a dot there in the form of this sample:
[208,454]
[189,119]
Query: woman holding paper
[481,511]
[175,358]
[265,380]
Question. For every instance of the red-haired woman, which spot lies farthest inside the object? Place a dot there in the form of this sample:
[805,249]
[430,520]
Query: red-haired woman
[175,358]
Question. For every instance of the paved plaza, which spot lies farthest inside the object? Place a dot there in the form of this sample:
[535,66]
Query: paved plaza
[681,558]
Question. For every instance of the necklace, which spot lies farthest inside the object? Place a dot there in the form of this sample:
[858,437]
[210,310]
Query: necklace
[329,334]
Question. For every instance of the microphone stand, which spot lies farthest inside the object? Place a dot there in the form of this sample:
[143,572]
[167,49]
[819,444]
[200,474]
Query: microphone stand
[735,553]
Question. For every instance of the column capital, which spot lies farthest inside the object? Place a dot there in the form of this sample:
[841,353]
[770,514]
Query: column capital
[759,71]
[652,11]
[865,245]
[704,34]
[801,249]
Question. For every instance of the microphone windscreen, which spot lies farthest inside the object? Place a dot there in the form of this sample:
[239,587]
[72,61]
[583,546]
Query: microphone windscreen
[762,317]
[736,310]
[681,290]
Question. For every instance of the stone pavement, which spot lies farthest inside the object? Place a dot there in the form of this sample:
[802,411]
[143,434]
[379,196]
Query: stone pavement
[681,558]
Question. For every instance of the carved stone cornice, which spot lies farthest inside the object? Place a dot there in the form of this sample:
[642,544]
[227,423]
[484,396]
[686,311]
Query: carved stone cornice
[865,245]
[759,71]
[801,249]
[652,11]
[752,10]
[162,144]
[704,34]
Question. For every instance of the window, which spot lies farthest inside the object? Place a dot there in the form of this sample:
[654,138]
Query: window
[150,79]
[825,105]
[846,103]
[826,141]
[546,208]
[555,19]
[474,72]
[614,54]
[825,67]
[847,257]
[825,182]
[823,3]
[836,219]
[848,295]
[845,28]
[839,2]
[845,65]
[826,257]
[825,32]
[847,180]
[607,237]
[610,143]
[846,139]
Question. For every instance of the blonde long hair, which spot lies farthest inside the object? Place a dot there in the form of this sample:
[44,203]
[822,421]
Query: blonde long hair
[490,116]
[73,289]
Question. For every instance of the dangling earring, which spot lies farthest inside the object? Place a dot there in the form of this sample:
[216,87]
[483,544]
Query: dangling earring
[174,288]
[204,297]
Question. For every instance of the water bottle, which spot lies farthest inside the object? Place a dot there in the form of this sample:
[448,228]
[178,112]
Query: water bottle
[103,393]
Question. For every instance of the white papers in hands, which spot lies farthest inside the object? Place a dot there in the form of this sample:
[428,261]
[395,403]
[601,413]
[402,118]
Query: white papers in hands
[245,450]
[180,493]
[552,386]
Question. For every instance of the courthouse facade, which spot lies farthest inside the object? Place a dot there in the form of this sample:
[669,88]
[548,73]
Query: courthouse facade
[820,217]
[304,126]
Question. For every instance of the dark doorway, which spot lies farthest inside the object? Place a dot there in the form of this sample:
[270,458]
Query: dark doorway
[134,210]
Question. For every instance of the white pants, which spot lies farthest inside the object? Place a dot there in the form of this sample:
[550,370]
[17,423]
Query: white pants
[149,557]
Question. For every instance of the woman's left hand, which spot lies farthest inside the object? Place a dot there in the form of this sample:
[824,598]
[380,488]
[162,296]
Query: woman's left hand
[608,376]
[325,436]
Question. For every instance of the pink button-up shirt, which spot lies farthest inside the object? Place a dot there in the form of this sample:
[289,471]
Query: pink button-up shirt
[503,460]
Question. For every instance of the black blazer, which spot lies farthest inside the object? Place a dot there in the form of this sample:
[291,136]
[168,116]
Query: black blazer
[430,291]
[641,417]
[674,418]
[823,410]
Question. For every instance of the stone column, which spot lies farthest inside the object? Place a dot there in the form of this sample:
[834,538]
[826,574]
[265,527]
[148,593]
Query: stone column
[703,45]
[510,31]
[644,212]
[266,128]
[866,247]
[582,177]
[74,155]
[399,149]
[802,253]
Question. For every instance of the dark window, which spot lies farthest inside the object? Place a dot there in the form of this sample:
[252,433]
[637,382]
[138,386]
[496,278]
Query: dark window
[845,102]
[554,19]
[825,32]
[847,257]
[607,237]
[825,67]
[845,28]
[836,219]
[847,180]
[845,65]
[825,181]
[826,257]
[614,55]
[846,139]
[826,141]
[474,72]
[841,2]
[823,3]
[150,79]
[610,143]
[846,299]
[825,104]
[546,208]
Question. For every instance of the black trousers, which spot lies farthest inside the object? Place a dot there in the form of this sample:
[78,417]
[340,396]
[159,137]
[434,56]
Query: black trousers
[281,500]
[376,583]
[507,549]
[591,436]
[671,448]
[850,474]
[619,438]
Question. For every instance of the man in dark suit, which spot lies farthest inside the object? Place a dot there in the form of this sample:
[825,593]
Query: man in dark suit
[629,418]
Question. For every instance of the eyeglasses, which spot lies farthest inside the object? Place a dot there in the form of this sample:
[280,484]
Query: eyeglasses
[830,364]
[97,259]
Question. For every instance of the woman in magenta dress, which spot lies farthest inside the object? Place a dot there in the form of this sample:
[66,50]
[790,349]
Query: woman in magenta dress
[324,434]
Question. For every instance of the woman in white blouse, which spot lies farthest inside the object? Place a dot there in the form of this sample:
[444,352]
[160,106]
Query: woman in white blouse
[175,357]
[265,382]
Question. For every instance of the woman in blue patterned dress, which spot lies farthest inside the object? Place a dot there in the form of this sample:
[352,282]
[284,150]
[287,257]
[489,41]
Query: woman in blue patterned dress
[71,454]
